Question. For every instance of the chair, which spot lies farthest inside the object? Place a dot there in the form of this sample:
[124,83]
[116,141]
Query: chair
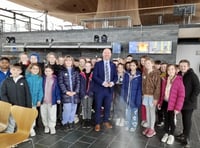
[4,115]
[24,118]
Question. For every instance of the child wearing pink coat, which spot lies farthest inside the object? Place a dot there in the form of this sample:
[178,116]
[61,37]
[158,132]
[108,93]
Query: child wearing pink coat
[171,99]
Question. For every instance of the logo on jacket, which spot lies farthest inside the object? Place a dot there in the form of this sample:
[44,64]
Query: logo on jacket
[21,84]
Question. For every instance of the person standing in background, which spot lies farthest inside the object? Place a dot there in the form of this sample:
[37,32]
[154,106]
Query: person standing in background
[192,90]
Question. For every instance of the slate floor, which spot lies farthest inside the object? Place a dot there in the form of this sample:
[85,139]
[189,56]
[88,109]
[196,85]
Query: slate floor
[110,138]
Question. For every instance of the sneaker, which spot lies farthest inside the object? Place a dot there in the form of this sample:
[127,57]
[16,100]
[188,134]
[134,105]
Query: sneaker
[88,123]
[126,128]
[46,129]
[160,124]
[52,130]
[164,138]
[121,122]
[76,119]
[180,137]
[145,131]
[117,122]
[150,133]
[132,129]
[144,124]
[84,125]
[32,133]
[170,139]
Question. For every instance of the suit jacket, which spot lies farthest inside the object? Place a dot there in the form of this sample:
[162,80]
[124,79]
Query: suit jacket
[99,76]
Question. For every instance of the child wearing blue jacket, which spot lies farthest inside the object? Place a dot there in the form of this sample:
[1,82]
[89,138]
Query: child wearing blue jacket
[51,97]
[131,94]
[34,79]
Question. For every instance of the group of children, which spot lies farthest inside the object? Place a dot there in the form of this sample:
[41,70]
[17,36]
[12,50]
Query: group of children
[140,86]
[155,87]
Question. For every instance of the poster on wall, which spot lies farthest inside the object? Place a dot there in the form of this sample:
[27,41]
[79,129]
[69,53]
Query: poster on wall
[116,47]
[151,47]
[138,47]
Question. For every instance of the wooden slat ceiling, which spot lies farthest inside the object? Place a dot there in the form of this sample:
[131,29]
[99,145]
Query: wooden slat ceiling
[70,9]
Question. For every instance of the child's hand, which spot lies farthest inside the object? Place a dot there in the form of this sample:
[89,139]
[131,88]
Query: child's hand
[58,101]
[38,103]
[159,107]
[176,112]
[155,102]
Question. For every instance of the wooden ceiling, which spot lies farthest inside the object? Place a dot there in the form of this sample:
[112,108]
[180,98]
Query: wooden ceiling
[74,10]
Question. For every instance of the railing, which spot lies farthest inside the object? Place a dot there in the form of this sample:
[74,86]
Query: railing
[172,14]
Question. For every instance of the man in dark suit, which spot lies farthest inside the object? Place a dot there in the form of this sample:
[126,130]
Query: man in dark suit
[104,77]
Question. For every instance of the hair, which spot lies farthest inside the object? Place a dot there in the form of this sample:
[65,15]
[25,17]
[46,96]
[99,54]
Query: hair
[158,62]
[35,64]
[16,65]
[5,58]
[129,55]
[51,53]
[69,57]
[149,59]
[173,65]
[49,66]
[184,61]
[88,62]
[120,64]
[135,62]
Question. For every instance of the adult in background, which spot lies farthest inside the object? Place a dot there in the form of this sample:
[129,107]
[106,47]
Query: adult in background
[192,89]
[105,77]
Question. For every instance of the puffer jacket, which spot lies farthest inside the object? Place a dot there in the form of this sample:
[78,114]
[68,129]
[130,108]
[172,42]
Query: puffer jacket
[176,95]
[64,84]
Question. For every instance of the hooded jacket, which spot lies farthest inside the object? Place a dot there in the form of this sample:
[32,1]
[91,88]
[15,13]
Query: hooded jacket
[16,93]
[192,89]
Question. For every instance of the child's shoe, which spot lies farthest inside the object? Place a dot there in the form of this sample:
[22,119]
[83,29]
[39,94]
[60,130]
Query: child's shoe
[150,133]
[170,139]
[46,130]
[145,131]
[165,137]
[52,130]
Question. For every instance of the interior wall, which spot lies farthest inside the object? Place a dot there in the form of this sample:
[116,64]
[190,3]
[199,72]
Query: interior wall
[191,53]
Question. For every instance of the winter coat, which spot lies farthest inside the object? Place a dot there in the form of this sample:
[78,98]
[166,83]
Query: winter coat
[192,89]
[64,84]
[16,93]
[35,86]
[176,94]
[55,90]
[3,76]
[83,90]
[151,84]
[131,91]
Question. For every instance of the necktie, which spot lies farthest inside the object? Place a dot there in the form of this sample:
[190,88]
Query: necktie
[107,76]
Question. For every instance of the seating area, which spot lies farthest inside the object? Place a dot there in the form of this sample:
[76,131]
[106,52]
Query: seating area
[109,138]
[24,118]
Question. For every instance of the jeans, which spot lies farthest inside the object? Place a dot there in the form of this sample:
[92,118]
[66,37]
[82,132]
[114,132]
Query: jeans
[87,107]
[69,110]
[131,117]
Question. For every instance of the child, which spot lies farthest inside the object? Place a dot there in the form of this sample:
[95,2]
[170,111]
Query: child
[69,82]
[34,79]
[171,100]
[118,106]
[15,90]
[151,93]
[4,69]
[132,95]
[24,62]
[86,94]
[51,97]
[143,109]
